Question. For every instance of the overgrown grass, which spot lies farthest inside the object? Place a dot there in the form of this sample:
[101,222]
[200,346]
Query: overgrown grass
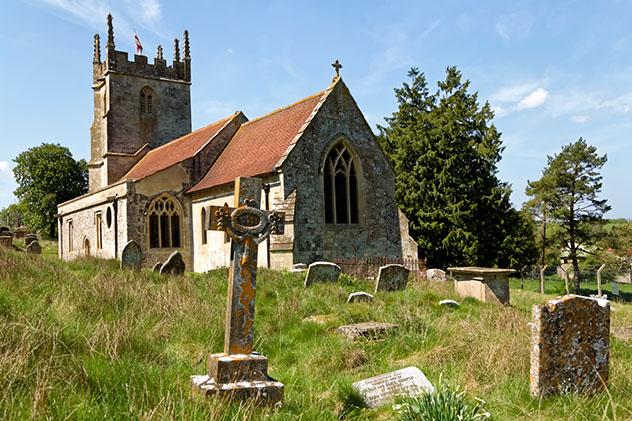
[86,340]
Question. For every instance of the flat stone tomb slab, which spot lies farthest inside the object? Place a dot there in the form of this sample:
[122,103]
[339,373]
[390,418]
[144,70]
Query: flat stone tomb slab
[383,389]
[570,346]
[484,284]
[368,330]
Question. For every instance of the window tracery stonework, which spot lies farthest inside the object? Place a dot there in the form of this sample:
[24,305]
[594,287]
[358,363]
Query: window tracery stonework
[164,219]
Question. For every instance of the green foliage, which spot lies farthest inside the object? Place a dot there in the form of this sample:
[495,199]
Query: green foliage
[570,185]
[445,150]
[48,175]
[14,215]
[446,404]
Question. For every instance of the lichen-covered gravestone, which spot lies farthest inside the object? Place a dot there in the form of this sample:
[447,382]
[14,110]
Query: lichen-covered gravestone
[392,278]
[34,247]
[359,297]
[30,238]
[174,265]
[570,346]
[322,272]
[384,389]
[131,256]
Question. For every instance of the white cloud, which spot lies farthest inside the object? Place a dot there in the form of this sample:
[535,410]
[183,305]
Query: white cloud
[4,166]
[501,30]
[513,93]
[499,111]
[580,118]
[534,99]
[150,12]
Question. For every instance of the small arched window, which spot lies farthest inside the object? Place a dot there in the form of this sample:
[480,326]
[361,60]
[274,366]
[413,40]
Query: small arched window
[164,222]
[203,225]
[146,101]
[71,234]
[341,186]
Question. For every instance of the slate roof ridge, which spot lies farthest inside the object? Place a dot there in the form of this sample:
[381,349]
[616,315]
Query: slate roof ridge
[325,95]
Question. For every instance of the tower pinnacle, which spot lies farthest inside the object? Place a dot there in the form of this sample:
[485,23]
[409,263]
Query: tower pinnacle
[176,50]
[187,49]
[97,49]
[110,44]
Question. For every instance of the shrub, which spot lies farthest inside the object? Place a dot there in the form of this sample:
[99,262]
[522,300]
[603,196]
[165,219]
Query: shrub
[446,404]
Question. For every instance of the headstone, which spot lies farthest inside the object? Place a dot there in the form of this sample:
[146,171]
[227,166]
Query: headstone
[174,265]
[298,267]
[34,248]
[30,238]
[449,303]
[392,278]
[359,297]
[239,373]
[6,241]
[322,272]
[4,230]
[384,389]
[131,256]
[570,346]
[367,330]
[157,267]
[436,275]
[614,288]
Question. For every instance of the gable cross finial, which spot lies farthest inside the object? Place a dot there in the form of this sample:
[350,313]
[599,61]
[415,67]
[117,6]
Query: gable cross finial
[336,65]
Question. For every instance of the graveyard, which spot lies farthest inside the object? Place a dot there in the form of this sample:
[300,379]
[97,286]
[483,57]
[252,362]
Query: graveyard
[87,339]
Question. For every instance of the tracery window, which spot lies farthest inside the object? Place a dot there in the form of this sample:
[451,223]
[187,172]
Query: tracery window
[164,222]
[146,101]
[341,186]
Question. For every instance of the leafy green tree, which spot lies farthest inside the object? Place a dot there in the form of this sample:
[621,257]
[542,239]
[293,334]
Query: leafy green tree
[445,150]
[570,184]
[48,175]
[14,215]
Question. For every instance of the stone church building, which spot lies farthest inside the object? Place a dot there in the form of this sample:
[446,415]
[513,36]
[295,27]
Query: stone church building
[153,180]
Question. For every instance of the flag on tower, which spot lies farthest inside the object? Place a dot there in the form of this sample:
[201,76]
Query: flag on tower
[139,46]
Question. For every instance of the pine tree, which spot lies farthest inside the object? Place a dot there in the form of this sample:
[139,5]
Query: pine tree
[445,150]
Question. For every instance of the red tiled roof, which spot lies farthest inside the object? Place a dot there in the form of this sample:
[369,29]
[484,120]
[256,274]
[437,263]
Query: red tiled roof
[175,151]
[259,144]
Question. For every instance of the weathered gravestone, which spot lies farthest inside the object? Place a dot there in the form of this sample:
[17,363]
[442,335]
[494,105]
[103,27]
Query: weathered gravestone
[366,330]
[30,238]
[392,278]
[322,272]
[157,267]
[174,265]
[131,256]
[484,284]
[4,231]
[384,389]
[449,303]
[6,240]
[238,373]
[359,297]
[436,275]
[34,247]
[298,267]
[570,346]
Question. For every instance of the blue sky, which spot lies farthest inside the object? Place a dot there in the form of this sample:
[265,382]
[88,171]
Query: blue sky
[553,71]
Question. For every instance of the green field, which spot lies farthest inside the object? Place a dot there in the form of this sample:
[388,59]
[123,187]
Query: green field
[85,340]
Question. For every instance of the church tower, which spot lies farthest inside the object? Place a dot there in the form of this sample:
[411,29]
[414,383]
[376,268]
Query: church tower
[138,106]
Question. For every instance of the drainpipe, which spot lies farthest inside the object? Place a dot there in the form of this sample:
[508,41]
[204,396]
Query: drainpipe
[266,190]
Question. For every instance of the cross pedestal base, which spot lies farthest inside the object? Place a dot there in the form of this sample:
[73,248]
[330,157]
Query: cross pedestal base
[238,377]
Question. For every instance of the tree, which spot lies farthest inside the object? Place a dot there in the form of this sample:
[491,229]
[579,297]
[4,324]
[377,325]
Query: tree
[14,215]
[538,207]
[48,175]
[444,150]
[570,185]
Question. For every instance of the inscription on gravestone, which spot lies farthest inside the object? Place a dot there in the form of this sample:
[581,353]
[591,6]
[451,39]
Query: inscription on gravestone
[383,389]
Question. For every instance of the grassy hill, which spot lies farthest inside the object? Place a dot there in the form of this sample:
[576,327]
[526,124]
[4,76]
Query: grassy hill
[85,340]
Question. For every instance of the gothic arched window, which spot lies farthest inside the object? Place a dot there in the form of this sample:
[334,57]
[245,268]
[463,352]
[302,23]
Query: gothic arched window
[146,101]
[341,186]
[164,222]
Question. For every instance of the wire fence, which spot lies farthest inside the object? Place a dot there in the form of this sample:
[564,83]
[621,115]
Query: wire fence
[369,267]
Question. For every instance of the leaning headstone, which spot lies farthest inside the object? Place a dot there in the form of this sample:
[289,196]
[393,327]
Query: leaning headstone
[449,303]
[367,330]
[392,278]
[34,248]
[322,272]
[131,256]
[239,373]
[436,275]
[359,297]
[570,346]
[157,267]
[174,265]
[384,389]
[30,238]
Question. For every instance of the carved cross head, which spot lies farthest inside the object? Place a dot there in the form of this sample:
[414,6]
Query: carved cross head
[248,221]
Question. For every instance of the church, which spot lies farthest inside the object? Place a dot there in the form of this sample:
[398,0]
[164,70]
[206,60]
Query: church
[153,180]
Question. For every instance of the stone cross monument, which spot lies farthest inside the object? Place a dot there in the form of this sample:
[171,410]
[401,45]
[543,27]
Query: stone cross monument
[238,373]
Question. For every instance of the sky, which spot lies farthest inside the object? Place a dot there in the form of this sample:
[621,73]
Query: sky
[552,71]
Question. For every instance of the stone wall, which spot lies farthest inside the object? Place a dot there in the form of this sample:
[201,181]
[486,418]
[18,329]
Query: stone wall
[378,234]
